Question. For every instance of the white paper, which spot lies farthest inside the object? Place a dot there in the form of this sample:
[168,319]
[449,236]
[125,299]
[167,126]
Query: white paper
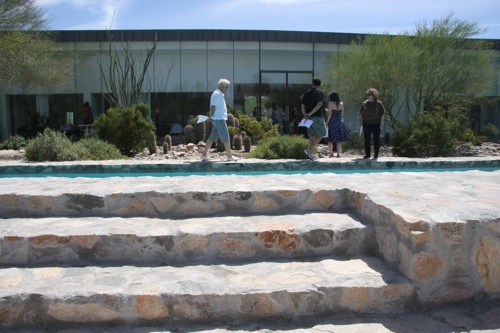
[201,119]
[305,123]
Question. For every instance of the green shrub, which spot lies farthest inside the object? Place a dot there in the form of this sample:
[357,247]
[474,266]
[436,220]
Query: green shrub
[14,142]
[427,135]
[126,128]
[355,141]
[280,147]
[468,135]
[50,145]
[490,131]
[95,149]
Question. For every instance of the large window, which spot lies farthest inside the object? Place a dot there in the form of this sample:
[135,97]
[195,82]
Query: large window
[169,109]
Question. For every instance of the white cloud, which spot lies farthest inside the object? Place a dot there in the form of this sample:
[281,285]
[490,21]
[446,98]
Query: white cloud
[101,14]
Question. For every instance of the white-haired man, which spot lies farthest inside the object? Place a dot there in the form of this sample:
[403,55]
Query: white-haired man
[218,115]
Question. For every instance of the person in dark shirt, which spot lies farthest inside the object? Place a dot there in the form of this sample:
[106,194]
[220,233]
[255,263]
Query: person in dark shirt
[313,109]
[372,119]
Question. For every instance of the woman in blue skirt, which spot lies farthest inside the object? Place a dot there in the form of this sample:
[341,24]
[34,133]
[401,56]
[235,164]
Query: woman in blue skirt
[337,131]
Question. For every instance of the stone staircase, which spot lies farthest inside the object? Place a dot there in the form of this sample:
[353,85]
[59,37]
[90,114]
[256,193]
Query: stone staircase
[172,259]
[191,268]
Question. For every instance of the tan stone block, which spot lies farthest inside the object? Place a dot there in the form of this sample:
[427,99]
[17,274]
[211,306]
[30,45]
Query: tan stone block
[322,200]
[421,236]
[10,312]
[260,305]
[263,203]
[81,313]
[193,243]
[487,254]
[287,194]
[8,200]
[283,239]
[425,266]
[453,295]
[150,307]
[388,244]
[41,202]
[452,233]
[355,299]
[163,204]
[236,248]
[49,240]
[136,205]
[87,242]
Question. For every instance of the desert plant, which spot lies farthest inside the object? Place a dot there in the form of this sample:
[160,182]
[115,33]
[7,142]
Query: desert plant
[95,149]
[427,135]
[356,141]
[13,142]
[280,147]
[230,120]
[151,142]
[125,127]
[490,131]
[247,143]
[50,145]
[238,142]
[167,143]
[188,130]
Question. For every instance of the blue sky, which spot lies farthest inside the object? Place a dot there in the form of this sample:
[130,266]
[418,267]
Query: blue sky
[358,16]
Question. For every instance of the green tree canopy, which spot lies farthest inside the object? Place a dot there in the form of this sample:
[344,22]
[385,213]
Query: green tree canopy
[436,65]
[29,57]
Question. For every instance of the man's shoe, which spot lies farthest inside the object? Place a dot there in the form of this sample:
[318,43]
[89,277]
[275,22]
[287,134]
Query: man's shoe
[204,158]
[308,153]
[233,158]
[366,157]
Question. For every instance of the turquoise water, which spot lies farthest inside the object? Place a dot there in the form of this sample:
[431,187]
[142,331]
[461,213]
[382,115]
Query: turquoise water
[242,173]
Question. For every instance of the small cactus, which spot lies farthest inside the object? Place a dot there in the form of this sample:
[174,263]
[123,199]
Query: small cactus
[238,142]
[236,123]
[247,144]
[151,142]
[166,148]
[230,120]
[167,143]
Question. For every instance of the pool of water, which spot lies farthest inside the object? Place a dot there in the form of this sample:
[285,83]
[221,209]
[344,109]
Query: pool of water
[241,173]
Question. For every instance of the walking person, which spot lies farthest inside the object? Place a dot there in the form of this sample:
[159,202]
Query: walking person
[313,109]
[218,116]
[372,119]
[337,130]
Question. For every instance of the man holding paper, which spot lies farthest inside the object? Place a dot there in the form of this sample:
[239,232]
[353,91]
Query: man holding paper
[314,110]
[218,115]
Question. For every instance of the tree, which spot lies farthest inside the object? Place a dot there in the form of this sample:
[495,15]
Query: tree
[29,57]
[21,15]
[122,79]
[437,65]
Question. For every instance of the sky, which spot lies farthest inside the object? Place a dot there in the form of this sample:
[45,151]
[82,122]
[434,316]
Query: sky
[355,16]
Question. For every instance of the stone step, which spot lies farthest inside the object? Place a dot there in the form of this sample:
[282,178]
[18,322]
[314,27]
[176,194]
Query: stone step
[108,199]
[199,294]
[146,241]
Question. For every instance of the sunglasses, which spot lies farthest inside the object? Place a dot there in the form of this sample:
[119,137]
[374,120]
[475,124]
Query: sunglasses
[368,94]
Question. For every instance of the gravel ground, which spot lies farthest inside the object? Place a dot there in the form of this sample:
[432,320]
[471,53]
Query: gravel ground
[192,152]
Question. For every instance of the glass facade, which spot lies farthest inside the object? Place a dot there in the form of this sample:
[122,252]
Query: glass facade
[267,70]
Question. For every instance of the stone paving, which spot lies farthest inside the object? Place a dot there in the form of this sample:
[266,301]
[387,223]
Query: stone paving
[440,229]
